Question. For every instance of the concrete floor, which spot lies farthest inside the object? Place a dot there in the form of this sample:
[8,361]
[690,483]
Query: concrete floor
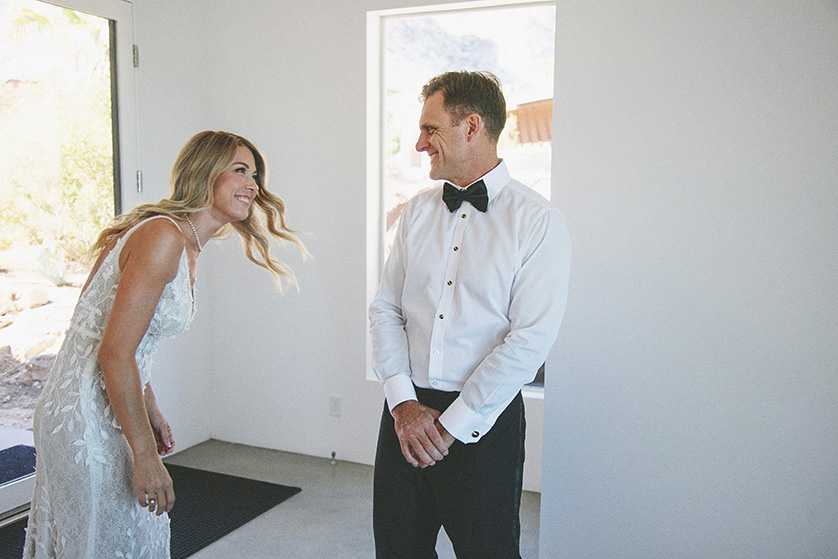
[11,436]
[330,518]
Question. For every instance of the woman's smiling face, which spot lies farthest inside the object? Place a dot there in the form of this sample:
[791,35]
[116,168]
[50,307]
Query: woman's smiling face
[235,188]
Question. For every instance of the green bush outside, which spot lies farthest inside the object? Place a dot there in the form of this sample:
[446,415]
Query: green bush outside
[56,153]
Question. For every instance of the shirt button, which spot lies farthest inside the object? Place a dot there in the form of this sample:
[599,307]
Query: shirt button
[475,434]
[463,216]
[441,317]
[450,282]
[434,384]
[456,249]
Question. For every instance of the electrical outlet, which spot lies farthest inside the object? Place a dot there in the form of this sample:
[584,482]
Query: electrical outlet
[334,406]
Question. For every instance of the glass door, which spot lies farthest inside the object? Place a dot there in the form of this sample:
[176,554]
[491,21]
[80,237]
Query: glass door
[63,147]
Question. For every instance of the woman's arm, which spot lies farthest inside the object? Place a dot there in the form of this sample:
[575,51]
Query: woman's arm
[149,260]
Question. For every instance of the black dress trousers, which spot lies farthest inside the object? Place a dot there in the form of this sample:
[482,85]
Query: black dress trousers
[474,492]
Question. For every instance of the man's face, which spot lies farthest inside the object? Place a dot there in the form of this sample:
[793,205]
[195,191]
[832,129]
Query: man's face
[444,141]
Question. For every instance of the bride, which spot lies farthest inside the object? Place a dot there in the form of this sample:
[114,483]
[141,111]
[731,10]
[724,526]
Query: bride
[101,489]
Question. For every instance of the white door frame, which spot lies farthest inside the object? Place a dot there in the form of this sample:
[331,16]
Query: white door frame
[15,496]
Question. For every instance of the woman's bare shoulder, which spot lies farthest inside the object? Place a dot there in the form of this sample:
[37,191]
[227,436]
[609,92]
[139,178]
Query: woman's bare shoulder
[156,245]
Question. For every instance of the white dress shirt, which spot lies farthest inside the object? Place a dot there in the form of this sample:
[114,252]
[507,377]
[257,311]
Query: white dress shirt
[470,301]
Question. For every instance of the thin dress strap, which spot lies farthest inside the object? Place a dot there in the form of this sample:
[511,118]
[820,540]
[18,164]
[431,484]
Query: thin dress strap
[140,223]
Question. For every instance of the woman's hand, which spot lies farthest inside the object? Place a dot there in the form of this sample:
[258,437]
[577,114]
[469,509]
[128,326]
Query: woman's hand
[161,428]
[153,485]
[162,432]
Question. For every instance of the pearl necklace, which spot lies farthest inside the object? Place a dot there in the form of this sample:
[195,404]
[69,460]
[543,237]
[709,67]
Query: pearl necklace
[195,232]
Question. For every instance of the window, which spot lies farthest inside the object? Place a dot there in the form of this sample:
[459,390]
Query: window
[514,41]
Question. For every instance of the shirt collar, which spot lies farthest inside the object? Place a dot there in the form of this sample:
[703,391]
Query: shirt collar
[495,179]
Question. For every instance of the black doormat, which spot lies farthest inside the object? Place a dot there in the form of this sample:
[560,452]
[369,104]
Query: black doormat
[11,539]
[208,506]
[16,462]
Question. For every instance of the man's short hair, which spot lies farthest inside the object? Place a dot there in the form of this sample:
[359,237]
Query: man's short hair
[471,92]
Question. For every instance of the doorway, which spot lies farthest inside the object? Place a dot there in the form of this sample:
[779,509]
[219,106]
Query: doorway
[60,177]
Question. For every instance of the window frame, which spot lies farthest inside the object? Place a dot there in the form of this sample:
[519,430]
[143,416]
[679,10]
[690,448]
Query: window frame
[375,132]
[127,193]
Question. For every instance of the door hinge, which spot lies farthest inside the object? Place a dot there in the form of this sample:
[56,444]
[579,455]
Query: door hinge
[136,52]
[139,181]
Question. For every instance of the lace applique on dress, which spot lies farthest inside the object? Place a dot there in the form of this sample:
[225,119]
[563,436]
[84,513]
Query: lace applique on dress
[83,503]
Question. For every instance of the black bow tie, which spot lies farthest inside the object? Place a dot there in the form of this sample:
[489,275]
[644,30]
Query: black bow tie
[476,194]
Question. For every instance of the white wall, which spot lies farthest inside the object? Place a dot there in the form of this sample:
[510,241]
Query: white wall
[173,101]
[290,76]
[695,158]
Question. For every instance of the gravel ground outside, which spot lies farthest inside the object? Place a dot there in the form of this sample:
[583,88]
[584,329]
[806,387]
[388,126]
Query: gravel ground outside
[34,314]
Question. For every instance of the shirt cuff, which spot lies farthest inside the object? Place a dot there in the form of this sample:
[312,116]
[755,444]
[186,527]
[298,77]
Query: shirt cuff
[398,389]
[462,423]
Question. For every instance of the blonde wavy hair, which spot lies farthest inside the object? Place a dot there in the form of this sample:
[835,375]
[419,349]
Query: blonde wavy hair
[192,183]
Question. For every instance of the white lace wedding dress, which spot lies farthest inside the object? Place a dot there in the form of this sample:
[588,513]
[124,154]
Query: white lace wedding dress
[84,504]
